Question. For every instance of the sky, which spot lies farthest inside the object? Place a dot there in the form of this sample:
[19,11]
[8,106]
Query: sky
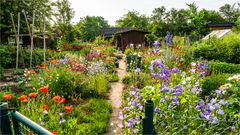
[112,10]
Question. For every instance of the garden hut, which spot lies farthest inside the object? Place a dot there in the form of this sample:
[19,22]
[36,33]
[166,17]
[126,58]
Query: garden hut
[124,37]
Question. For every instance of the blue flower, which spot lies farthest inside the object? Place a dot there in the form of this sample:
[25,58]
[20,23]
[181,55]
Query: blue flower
[222,102]
[162,100]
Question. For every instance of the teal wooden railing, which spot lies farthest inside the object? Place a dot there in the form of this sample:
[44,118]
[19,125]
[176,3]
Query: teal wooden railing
[13,122]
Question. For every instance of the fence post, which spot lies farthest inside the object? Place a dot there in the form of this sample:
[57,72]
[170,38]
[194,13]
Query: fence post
[5,121]
[148,118]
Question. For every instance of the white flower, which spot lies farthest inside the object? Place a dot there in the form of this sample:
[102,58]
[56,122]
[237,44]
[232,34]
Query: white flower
[235,77]
[188,78]
[45,112]
[111,124]
[193,64]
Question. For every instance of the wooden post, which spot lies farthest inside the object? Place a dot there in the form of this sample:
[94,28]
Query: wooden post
[16,35]
[44,41]
[32,39]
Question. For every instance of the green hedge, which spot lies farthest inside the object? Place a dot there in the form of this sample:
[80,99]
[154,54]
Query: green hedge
[8,56]
[224,67]
[211,83]
[226,49]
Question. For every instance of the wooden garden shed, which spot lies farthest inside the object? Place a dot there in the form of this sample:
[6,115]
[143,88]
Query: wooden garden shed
[220,26]
[124,37]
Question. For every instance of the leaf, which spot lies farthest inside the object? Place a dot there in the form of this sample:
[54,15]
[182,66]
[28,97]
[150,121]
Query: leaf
[183,100]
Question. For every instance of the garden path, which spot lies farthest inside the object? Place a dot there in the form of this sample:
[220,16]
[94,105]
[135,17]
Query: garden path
[115,99]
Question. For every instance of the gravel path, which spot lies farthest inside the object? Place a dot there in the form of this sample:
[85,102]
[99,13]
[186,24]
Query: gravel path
[115,98]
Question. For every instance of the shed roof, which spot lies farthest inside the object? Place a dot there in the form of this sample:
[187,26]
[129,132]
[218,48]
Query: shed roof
[221,24]
[108,32]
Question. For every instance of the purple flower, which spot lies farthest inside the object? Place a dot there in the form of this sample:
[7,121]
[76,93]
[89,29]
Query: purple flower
[222,102]
[137,90]
[139,106]
[168,38]
[177,93]
[175,70]
[170,90]
[120,125]
[162,100]
[156,43]
[137,70]
[217,106]
[220,112]
[130,123]
[166,71]
[120,116]
[175,101]
[125,108]
[132,93]
[215,120]
[165,78]
[157,110]
[153,75]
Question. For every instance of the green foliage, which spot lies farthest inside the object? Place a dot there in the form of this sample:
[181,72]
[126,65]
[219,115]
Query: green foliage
[226,49]
[99,40]
[89,26]
[8,56]
[128,51]
[211,83]
[133,20]
[112,77]
[95,86]
[64,82]
[90,117]
[139,81]
[108,51]
[224,67]
[85,51]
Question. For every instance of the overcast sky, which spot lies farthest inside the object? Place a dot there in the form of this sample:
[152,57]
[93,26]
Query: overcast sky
[112,10]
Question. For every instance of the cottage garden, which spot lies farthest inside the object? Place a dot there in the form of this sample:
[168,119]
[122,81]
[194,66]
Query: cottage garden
[193,91]
[91,87]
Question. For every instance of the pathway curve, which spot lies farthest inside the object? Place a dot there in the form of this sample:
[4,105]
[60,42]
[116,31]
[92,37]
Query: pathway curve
[115,98]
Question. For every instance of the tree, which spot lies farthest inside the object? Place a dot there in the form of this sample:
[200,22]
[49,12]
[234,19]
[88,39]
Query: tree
[63,14]
[40,7]
[230,12]
[133,20]
[89,26]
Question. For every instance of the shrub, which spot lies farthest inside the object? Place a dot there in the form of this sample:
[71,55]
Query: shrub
[224,67]
[8,56]
[128,51]
[112,77]
[211,83]
[226,49]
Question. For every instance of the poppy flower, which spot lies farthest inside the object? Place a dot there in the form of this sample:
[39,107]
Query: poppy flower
[57,98]
[45,107]
[44,89]
[22,98]
[44,65]
[33,95]
[29,133]
[7,96]
[54,132]
[38,67]
[63,100]
[67,109]
[48,77]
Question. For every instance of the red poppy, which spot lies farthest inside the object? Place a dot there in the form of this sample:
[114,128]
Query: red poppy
[33,95]
[29,133]
[45,107]
[67,109]
[48,76]
[38,67]
[44,89]
[63,100]
[57,98]
[7,96]
[23,98]
[54,132]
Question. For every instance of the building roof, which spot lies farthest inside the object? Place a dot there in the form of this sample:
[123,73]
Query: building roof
[108,32]
[221,24]
[218,33]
